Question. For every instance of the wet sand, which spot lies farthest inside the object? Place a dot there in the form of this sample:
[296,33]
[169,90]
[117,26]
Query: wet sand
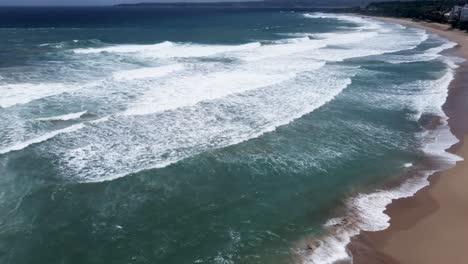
[432,226]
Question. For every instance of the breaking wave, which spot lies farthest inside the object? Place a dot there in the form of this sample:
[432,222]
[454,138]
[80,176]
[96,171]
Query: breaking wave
[158,100]
[65,117]
[366,210]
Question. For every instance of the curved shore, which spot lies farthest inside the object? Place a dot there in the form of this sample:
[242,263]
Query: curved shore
[430,227]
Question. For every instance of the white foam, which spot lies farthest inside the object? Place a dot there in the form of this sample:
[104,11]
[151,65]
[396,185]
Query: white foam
[208,105]
[53,45]
[161,138]
[304,44]
[430,54]
[367,24]
[439,49]
[65,117]
[422,96]
[21,145]
[125,48]
[366,211]
[22,93]
[248,52]
[145,73]
[364,39]
[171,50]
[432,99]
[174,112]
[367,46]
[374,40]
[193,89]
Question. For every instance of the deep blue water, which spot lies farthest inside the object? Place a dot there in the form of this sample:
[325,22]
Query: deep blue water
[141,135]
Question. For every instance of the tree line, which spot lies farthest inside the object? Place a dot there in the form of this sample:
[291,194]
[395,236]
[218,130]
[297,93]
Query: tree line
[430,10]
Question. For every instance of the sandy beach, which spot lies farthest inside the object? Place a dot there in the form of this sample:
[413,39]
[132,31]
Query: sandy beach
[432,226]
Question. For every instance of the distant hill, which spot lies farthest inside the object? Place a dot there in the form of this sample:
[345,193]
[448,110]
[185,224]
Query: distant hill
[261,4]
[199,4]
[407,8]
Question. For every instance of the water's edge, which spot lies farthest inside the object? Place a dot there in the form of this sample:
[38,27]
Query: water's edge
[366,212]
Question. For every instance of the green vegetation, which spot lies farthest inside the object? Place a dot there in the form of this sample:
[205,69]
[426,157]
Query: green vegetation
[431,10]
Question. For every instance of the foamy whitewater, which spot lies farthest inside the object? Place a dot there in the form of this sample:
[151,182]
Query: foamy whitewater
[366,211]
[206,141]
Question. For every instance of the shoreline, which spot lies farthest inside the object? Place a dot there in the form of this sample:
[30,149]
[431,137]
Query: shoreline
[430,226]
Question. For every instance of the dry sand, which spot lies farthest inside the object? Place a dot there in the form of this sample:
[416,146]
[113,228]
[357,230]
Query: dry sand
[432,226]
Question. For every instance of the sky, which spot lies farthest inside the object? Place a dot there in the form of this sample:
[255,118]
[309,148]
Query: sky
[91,2]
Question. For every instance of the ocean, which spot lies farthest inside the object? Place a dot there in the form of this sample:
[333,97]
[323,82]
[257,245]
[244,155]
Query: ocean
[144,135]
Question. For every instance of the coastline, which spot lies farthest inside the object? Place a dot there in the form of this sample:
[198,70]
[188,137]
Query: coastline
[430,226]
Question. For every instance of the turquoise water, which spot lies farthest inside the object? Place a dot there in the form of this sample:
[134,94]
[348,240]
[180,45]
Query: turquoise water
[205,136]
